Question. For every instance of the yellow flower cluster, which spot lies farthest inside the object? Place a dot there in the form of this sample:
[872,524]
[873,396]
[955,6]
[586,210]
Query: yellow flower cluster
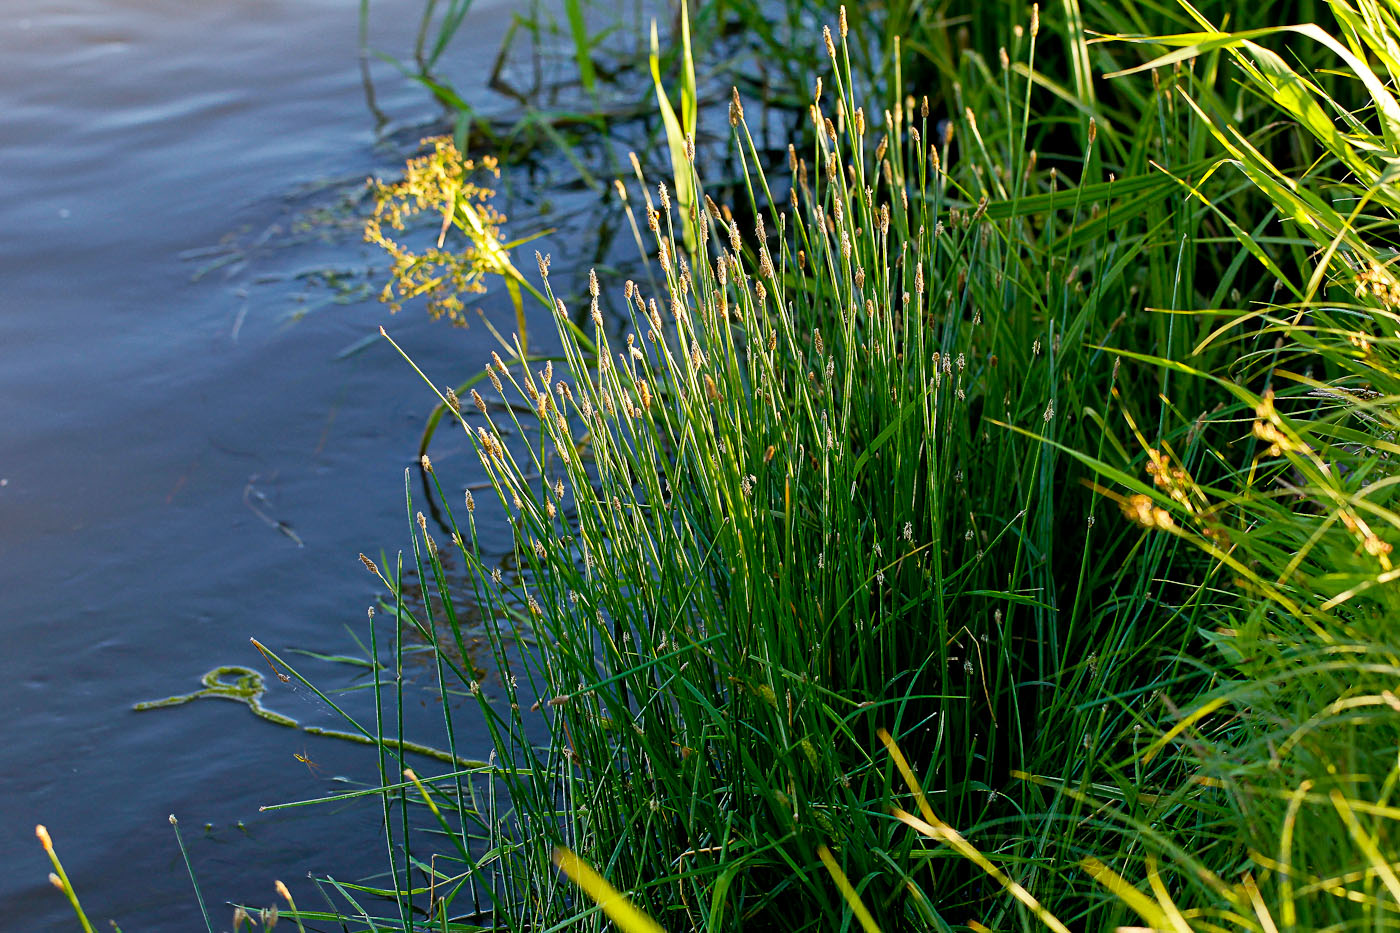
[438,181]
[1375,279]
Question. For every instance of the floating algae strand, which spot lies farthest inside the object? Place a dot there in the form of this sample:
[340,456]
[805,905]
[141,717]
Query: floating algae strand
[246,686]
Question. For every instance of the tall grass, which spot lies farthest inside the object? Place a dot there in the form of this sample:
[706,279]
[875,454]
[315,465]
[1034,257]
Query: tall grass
[792,509]
[1021,456]
[904,487]
[1296,738]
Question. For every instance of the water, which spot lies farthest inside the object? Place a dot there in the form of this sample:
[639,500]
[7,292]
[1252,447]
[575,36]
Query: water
[150,423]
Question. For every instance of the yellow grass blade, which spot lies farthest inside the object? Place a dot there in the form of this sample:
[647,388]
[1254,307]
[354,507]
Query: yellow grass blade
[867,922]
[615,904]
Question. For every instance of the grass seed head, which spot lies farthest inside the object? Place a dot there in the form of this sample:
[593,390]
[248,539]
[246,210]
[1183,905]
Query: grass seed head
[1141,509]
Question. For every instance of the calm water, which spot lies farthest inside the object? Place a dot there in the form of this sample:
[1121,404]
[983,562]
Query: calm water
[149,423]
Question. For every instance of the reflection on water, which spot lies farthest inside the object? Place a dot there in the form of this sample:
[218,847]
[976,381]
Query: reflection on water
[185,464]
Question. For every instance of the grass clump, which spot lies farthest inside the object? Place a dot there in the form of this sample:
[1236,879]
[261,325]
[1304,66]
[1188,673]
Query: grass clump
[788,511]
[1293,743]
[859,514]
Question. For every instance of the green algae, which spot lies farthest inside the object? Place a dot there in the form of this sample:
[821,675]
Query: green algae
[247,686]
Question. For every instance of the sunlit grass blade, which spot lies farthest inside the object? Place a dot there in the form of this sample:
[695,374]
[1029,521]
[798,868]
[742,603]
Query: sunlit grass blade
[616,905]
[59,878]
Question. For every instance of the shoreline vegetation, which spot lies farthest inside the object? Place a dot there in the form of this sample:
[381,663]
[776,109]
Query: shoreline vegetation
[981,520]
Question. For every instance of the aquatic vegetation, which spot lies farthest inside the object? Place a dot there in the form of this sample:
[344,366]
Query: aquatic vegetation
[440,180]
[788,512]
[833,488]
[248,687]
[960,535]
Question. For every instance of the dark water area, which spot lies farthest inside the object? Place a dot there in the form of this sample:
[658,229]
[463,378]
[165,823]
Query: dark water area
[177,377]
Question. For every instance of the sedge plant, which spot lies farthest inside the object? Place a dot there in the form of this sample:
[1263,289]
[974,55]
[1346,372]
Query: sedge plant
[786,510]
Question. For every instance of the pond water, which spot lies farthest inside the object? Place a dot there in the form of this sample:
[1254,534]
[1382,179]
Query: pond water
[196,442]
